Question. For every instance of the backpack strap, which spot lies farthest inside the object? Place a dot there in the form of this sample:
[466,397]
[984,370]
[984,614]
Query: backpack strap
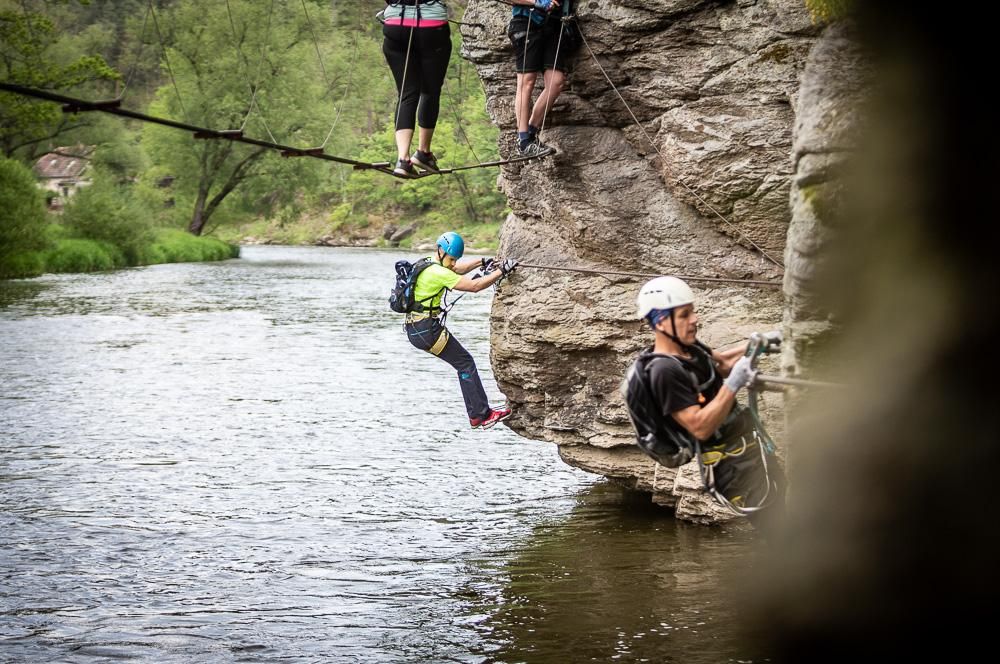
[418,305]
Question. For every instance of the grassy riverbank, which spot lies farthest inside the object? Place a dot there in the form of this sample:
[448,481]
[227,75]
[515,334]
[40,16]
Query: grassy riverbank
[106,226]
[69,254]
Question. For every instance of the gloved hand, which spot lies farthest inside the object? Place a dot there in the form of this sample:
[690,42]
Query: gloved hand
[508,266]
[741,375]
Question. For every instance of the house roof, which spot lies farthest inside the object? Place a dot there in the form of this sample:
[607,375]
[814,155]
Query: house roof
[67,162]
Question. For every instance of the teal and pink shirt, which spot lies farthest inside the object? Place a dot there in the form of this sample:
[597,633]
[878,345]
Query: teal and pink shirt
[411,13]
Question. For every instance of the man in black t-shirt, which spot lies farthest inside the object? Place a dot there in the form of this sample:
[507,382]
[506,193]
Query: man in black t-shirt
[696,389]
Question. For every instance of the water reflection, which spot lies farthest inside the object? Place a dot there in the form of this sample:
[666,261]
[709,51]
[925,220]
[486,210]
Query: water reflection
[19,290]
[614,581]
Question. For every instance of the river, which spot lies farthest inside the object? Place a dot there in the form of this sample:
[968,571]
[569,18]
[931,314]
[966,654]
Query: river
[246,461]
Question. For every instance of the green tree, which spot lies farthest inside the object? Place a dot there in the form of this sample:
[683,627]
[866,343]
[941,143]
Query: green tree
[30,55]
[22,221]
[259,73]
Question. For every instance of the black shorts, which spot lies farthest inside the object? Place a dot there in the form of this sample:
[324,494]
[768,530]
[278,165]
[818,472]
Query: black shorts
[536,45]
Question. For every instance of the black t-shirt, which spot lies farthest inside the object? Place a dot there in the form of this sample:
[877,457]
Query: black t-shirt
[672,386]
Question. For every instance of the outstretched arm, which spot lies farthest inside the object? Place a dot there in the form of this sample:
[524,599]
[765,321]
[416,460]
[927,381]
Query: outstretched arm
[466,265]
[471,285]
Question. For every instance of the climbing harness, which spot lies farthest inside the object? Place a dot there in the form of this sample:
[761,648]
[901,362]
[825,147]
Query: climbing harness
[737,437]
[380,17]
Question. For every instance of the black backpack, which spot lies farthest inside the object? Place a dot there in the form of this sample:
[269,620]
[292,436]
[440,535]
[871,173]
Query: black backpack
[401,299]
[665,445]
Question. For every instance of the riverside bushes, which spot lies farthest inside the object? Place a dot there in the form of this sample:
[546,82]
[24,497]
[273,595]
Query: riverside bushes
[106,226]
[22,221]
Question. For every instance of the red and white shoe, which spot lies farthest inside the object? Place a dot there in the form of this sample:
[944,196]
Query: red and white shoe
[496,415]
[476,422]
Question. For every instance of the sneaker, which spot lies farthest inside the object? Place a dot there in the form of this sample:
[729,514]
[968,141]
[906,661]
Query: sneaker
[425,161]
[477,422]
[404,167]
[535,149]
[496,415]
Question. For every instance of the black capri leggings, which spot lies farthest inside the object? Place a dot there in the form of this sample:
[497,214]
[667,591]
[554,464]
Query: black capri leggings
[420,97]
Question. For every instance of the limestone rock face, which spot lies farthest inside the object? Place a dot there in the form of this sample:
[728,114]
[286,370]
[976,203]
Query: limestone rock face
[700,189]
[825,139]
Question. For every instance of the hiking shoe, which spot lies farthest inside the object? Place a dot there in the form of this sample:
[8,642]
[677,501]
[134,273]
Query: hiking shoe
[535,149]
[404,167]
[425,161]
[496,415]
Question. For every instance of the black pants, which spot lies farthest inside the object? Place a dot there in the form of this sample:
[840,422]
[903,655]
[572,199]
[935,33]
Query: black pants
[426,335]
[420,93]
[539,47]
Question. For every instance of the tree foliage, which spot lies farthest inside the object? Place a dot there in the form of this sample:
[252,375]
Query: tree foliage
[250,65]
[22,217]
[827,11]
[31,54]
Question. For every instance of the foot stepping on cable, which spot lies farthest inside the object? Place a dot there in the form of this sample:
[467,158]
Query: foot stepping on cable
[425,161]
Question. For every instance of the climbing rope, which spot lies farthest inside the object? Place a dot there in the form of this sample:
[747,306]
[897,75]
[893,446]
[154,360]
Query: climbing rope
[458,118]
[326,77]
[757,346]
[166,59]
[555,60]
[252,84]
[135,62]
[649,275]
[664,161]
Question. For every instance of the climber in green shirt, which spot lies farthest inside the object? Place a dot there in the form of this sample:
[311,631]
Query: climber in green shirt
[426,328]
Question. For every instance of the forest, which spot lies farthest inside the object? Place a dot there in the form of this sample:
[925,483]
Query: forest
[303,73]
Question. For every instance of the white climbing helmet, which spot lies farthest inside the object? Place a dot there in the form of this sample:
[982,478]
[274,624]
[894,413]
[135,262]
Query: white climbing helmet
[662,293]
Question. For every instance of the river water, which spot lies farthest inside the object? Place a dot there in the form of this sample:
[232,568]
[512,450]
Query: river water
[247,462]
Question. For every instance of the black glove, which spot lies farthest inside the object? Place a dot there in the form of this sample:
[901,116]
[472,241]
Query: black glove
[508,266]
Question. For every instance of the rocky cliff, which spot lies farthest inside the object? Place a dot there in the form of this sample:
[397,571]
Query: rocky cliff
[703,188]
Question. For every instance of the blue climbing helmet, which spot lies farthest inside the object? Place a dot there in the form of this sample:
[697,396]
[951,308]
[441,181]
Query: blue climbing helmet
[452,244]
